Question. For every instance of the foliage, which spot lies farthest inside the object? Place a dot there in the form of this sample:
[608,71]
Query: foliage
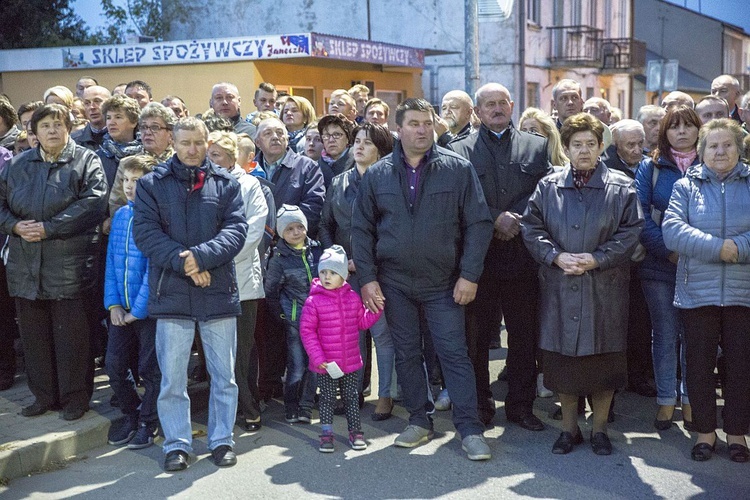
[40,23]
[139,17]
[53,23]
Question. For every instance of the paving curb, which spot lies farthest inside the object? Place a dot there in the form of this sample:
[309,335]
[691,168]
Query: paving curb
[23,457]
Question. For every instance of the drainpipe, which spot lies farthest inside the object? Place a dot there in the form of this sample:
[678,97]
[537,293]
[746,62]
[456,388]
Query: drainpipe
[521,94]
[471,47]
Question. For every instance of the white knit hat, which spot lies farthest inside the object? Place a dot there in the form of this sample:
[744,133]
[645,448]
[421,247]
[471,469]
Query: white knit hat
[334,258]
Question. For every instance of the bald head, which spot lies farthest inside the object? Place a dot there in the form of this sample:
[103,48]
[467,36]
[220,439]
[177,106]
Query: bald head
[494,106]
[711,107]
[225,100]
[93,98]
[677,98]
[728,88]
[599,108]
[566,98]
[456,109]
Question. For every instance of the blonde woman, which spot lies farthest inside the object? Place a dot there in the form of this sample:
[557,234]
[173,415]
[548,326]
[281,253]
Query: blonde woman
[59,95]
[223,150]
[536,121]
[297,114]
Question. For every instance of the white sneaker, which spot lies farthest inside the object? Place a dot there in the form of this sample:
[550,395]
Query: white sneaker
[443,401]
[542,391]
[476,447]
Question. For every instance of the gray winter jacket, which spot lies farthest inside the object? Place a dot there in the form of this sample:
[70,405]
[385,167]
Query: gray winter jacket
[702,213]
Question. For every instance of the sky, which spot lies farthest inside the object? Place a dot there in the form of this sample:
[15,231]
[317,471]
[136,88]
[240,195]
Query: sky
[731,11]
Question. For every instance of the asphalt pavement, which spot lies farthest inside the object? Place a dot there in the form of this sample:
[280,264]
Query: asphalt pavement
[282,461]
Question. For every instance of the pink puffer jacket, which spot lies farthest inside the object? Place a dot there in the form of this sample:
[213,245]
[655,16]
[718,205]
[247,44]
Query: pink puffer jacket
[330,324]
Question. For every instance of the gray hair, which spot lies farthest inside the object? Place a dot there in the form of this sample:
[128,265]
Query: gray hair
[158,110]
[565,82]
[190,123]
[727,124]
[626,125]
[648,110]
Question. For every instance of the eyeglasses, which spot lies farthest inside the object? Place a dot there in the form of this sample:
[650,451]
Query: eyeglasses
[335,136]
[152,128]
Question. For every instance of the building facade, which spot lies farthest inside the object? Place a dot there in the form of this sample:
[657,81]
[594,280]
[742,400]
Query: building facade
[587,40]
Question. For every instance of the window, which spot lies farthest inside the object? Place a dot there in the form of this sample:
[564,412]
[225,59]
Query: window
[575,12]
[532,94]
[533,11]
[593,13]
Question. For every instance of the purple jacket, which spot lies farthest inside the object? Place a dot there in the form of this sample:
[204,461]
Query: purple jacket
[330,324]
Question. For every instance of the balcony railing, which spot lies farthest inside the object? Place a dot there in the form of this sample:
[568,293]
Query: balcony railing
[623,54]
[575,46]
[584,46]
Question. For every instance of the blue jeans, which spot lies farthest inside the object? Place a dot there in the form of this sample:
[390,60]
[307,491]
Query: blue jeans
[445,320]
[668,335]
[139,336]
[385,355]
[300,384]
[174,337]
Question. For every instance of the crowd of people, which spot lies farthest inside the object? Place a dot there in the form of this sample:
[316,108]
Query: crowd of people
[282,244]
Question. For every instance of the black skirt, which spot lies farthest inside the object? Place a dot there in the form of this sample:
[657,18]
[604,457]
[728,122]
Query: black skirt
[583,375]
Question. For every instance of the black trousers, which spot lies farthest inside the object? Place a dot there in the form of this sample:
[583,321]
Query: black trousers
[246,366]
[8,328]
[55,335]
[640,364]
[705,329]
[518,298]
[271,340]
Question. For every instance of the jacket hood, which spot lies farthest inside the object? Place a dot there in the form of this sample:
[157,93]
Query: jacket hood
[316,288]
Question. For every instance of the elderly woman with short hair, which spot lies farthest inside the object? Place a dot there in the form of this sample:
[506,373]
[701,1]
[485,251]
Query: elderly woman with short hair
[707,224]
[582,226]
[155,124]
[121,116]
[52,200]
[336,134]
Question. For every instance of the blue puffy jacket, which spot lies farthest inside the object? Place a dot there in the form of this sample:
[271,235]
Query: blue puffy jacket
[702,213]
[126,278]
[199,209]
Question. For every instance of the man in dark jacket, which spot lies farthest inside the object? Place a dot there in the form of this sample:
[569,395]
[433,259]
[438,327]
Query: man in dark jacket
[92,135]
[420,230]
[189,221]
[625,155]
[297,180]
[509,164]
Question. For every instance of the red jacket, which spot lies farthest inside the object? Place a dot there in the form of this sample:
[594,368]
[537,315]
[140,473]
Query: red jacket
[330,324]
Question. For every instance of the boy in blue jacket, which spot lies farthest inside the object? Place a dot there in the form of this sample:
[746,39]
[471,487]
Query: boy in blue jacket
[130,328]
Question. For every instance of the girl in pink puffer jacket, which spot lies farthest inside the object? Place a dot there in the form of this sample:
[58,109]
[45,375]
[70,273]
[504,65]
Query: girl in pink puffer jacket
[331,319]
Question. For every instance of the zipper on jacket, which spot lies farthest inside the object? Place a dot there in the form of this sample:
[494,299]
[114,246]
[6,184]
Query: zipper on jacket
[723,237]
[127,261]
[158,286]
[307,267]
[294,309]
